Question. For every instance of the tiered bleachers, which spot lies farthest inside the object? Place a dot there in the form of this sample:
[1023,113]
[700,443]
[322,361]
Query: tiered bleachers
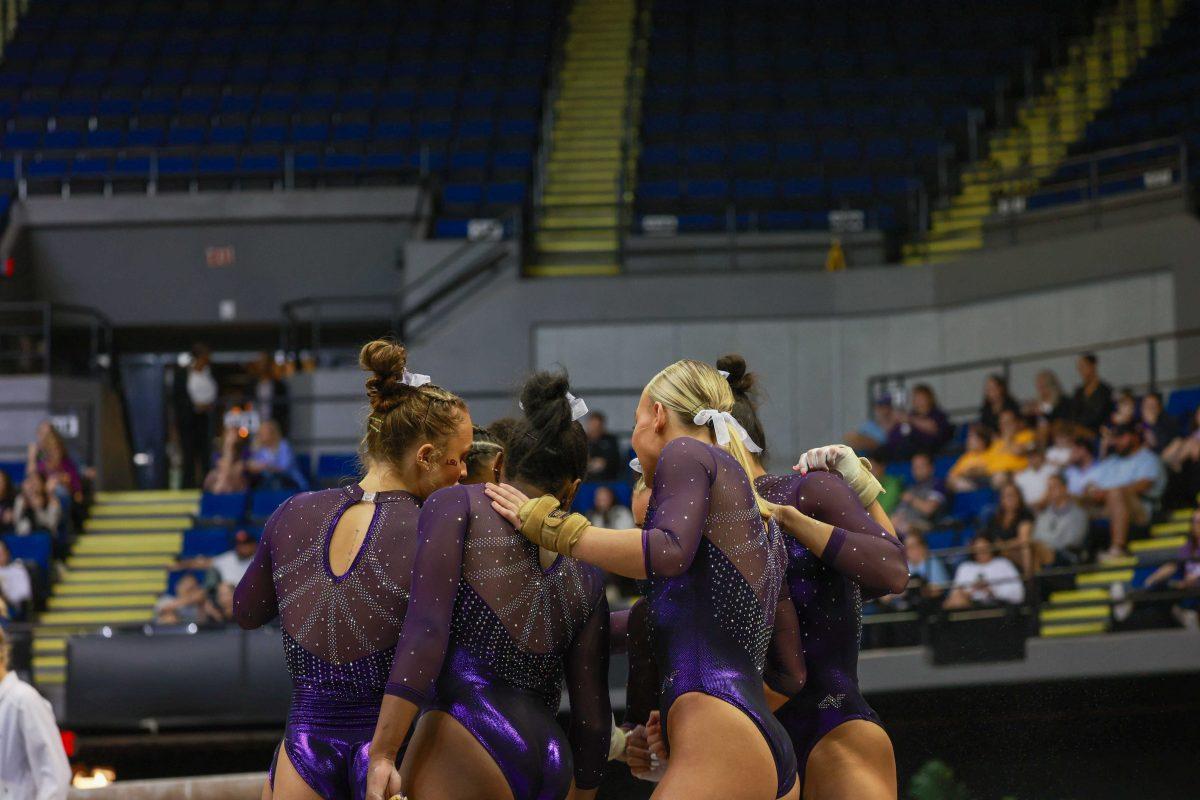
[189,94]
[789,110]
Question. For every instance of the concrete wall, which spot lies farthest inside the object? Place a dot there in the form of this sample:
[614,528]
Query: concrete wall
[143,259]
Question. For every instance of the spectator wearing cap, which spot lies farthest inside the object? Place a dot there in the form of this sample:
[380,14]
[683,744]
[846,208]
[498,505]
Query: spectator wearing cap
[1092,402]
[986,580]
[231,565]
[874,432]
[1126,486]
[996,398]
[1060,528]
[924,428]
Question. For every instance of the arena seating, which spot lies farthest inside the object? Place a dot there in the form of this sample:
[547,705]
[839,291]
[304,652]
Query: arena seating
[225,94]
[812,107]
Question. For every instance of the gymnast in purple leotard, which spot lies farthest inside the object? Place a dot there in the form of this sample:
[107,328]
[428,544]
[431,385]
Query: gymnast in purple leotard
[715,572]
[335,567]
[492,628]
[860,558]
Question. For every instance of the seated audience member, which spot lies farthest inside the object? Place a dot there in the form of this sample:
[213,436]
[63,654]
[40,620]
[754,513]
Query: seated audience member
[7,496]
[1011,525]
[893,487]
[1182,572]
[15,586]
[231,565]
[924,428]
[996,398]
[185,605]
[228,475]
[604,454]
[271,464]
[971,470]
[987,457]
[922,502]
[1092,402]
[606,512]
[48,457]
[1078,471]
[1033,479]
[1126,487]
[36,508]
[1017,439]
[928,577]
[986,580]
[33,763]
[1182,457]
[218,606]
[1062,442]
[1060,528]
[1125,408]
[1050,408]
[873,433]
[1159,428]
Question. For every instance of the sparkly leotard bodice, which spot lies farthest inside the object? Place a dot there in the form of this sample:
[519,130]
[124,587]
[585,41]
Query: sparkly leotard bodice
[715,574]
[339,631]
[861,558]
[491,634]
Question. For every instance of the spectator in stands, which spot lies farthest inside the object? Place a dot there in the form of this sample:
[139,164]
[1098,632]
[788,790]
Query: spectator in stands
[196,404]
[922,502]
[33,763]
[35,508]
[1126,486]
[1060,528]
[1092,402]
[271,464]
[924,428]
[1062,443]
[270,393]
[184,606]
[231,565]
[606,512]
[1050,407]
[1035,478]
[1182,572]
[996,398]
[1182,457]
[49,458]
[972,469]
[228,475]
[16,589]
[986,580]
[604,454]
[987,457]
[873,433]
[7,497]
[1011,525]
[893,487]
[928,577]
[1159,428]
[218,606]
[1125,408]
[1078,472]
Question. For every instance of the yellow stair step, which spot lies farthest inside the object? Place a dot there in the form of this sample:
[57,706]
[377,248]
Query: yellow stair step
[1172,528]
[85,562]
[174,523]
[129,543]
[149,496]
[1160,543]
[50,644]
[103,617]
[144,509]
[1096,612]
[573,270]
[114,587]
[1183,514]
[86,576]
[49,677]
[579,246]
[579,199]
[1075,629]
[1079,596]
[49,662]
[68,603]
[1104,577]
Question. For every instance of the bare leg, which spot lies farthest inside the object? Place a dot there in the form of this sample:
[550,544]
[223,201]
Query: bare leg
[288,783]
[957,599]
[445,760]
[717,753]
[854,760]
[1117,506]
[266,790]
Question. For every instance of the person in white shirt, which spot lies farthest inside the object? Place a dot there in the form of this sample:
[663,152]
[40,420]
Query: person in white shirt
[231,565]
[33,764]
[987,579]
[15,586]
[1033,479]
[606,512]
[196,413]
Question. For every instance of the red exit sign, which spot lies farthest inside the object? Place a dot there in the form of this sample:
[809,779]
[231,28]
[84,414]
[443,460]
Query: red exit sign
[223,256]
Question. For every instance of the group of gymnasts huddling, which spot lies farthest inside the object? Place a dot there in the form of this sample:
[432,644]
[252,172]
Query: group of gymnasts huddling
[432,611]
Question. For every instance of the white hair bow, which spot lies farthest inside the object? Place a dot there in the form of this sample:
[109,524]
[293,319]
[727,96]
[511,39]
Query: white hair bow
[723,422]
[635,464]
[579,409]
[723,373]
[414,379]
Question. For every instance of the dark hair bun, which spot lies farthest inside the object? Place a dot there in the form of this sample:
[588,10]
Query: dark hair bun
[386,360]
[740,381]
[501,430]
[544,401]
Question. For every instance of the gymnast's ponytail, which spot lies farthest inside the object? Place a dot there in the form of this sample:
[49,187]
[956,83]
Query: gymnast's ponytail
[744,386]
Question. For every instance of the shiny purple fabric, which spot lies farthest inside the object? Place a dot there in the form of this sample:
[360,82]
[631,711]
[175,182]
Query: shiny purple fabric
[827,590]
[715,574]
[339,631]
[490,636]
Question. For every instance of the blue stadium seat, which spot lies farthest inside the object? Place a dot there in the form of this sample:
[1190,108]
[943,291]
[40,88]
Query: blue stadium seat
[35,547]
[205,542]
[941,539]
[229,507]
[622,490]
[337,466]
[264,502]
[1183,403]
[971,505]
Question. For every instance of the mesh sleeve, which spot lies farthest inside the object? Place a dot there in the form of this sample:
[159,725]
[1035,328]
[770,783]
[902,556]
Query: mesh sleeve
[786,670]
[586,667]
[682,492]
[618,632]
[436,571]
[254,600]
[859,548]
[641,696]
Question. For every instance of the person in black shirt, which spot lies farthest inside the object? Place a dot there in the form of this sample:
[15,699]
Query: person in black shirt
[996,398]
[1092,402]
[604,455]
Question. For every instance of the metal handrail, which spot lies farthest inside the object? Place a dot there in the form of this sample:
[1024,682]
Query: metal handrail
[51,316]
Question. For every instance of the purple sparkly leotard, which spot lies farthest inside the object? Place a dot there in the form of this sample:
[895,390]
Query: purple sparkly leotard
[860,558]
[488,637]
[715,575]
[339,631]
